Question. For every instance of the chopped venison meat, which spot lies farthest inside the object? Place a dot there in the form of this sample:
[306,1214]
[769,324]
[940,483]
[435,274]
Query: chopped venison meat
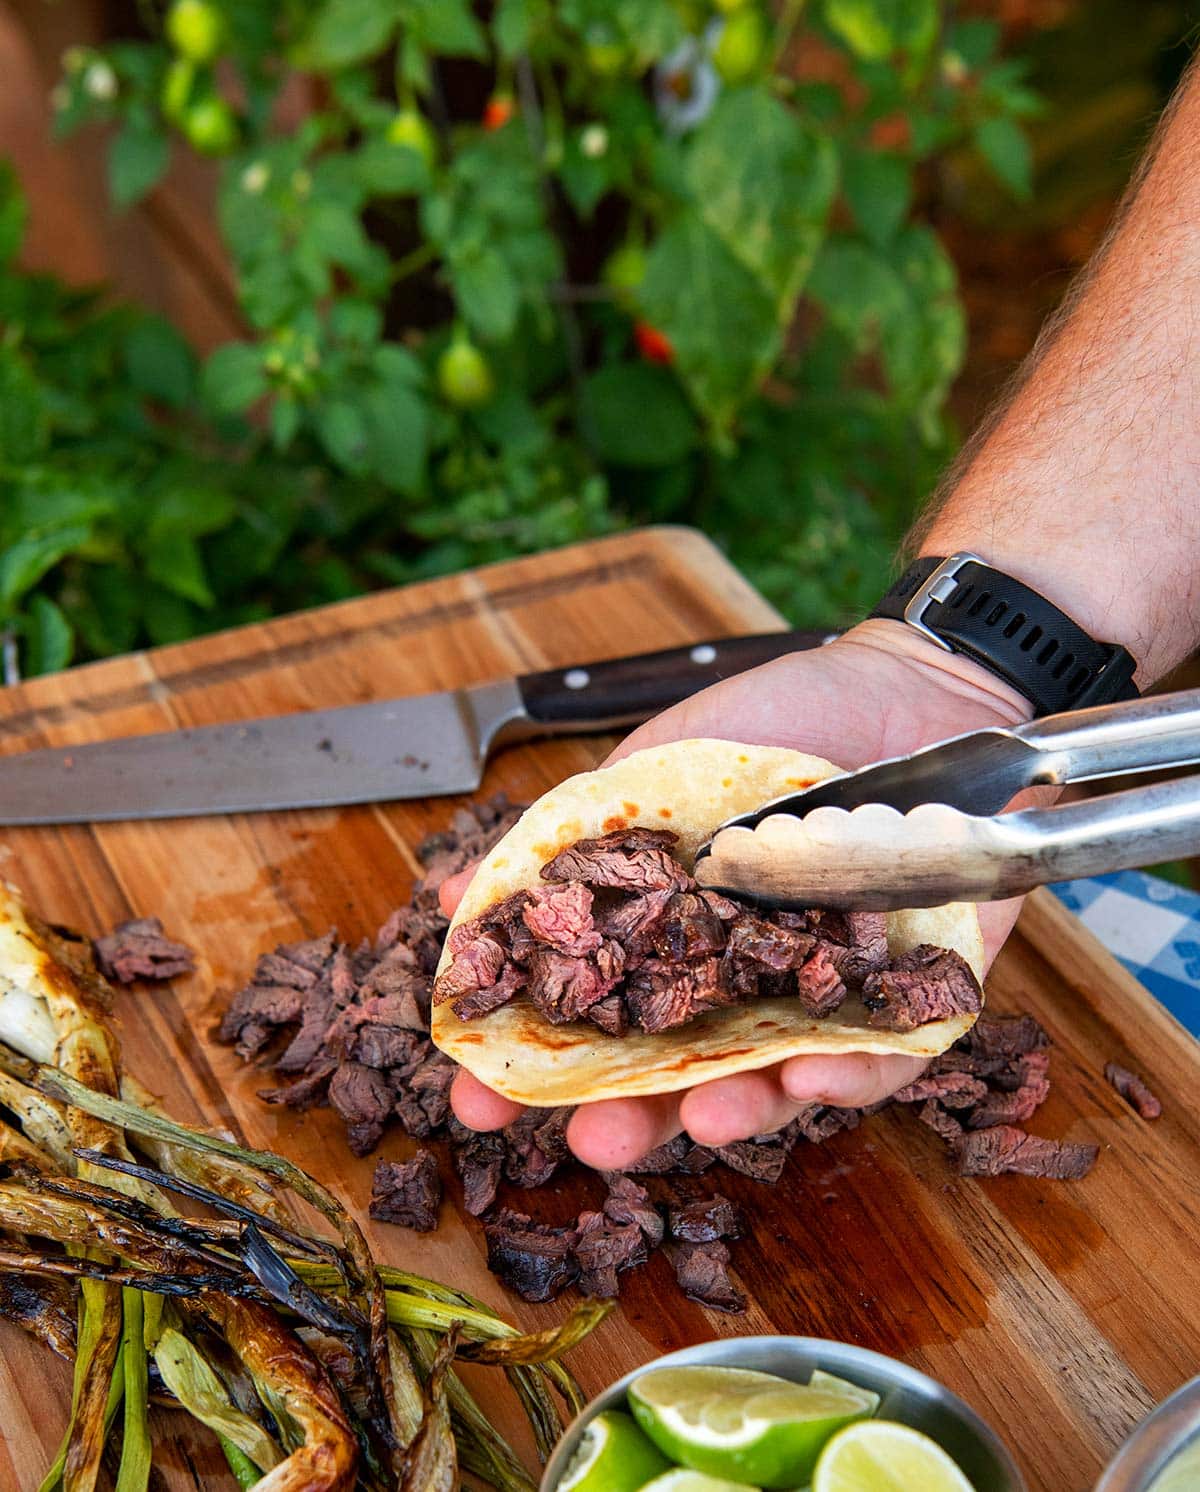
[771,947]
[1019,1105]
[633,923]
[634,859]
[423,1098]
[868,945]
[273,968]
[610,1015]
[311,1041]
[384,1046]
[407,1192]
[696,1158]
[368,1007]
[818,1123]
[689,930]
[307,1091]
[605,1247]
[627,1202]
[561,917]
[670,952]
[955,1090]
[925,984]
[660,995]
[475,967]
[701,1270]
[991,1152]
[706,1220]
[939,1120]
[312,954]
[537,1146]
[406,1006]
[759,1162]
[662,1159]
[362,1097]
[481,1001]
[479,1161]
[1133,1090]
[1000,1037]
[564,988]
[502,918]
[257,1011]
[819,986]
[140,950]
[726,910]
[533,1259]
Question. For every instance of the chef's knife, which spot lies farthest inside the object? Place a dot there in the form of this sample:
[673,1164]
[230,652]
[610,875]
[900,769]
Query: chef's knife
[416,747]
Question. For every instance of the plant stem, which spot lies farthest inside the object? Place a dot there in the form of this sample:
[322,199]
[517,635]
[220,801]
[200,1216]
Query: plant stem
[408,264]
[134,1472]
[244,1470]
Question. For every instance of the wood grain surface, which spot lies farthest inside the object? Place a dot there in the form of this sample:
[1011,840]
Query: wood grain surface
[1061,1311]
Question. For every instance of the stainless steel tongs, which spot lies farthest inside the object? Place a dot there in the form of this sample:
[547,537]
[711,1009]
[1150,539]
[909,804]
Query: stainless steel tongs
[924,829]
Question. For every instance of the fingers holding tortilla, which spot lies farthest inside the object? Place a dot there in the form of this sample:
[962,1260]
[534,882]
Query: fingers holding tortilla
[687,787]
[478,1106]
[613,1134]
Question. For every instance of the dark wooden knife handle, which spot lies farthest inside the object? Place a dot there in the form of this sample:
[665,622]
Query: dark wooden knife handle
[620,691]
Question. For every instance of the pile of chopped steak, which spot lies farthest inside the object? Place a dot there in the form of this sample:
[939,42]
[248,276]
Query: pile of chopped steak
[141,950]
[622,936]
[350,1028]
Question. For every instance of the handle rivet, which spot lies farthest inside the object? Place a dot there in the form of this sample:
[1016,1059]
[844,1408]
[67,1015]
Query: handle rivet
[704,653]
[577,678]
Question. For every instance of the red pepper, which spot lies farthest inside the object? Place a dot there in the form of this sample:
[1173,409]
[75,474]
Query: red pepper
[654,345]
[498,110]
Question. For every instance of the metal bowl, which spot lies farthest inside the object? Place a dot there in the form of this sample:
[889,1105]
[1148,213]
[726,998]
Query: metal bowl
[1160,1437]
[905,1395]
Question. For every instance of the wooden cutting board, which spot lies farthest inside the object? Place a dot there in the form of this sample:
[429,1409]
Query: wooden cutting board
[1061,1311]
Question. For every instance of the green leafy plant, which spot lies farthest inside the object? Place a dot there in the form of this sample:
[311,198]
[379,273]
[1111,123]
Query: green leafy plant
[524,273]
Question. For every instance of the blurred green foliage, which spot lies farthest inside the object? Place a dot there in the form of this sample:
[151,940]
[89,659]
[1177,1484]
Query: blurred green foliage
[528,273]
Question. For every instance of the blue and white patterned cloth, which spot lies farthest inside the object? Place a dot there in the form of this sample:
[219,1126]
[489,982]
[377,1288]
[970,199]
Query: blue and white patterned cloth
[1153,928]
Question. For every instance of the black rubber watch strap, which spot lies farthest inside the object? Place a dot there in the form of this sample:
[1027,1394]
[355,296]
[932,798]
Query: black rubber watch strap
[965,605]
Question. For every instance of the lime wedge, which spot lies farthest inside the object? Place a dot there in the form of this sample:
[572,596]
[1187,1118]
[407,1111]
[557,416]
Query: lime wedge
[1182,1472]
[694,1481]
[880,1456]
[821,1379]
[612,1456]
[748,1427]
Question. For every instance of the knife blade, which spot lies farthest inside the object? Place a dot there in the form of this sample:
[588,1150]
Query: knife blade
[420,746]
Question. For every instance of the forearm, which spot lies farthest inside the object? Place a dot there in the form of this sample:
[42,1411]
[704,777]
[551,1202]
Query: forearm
[1087,483]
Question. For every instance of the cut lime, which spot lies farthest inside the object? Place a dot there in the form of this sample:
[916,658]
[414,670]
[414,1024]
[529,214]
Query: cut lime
[881,1456]
[821,1379]
[612,1456]
[694,1481]
[1182,1472]
[744,1426]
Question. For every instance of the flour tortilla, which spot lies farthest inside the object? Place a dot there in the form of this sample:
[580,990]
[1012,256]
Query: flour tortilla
[688,787]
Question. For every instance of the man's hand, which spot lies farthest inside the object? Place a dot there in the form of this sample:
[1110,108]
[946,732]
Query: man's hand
[881,690]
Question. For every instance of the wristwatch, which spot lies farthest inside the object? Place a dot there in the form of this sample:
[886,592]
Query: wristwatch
[966,606]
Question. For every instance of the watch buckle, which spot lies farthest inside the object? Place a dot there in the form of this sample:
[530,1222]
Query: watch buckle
[938,587]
